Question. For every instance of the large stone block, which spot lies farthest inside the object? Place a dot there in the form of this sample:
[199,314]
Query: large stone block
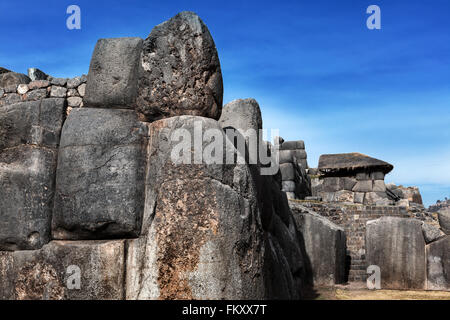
[397,246]
[35,122]
[286,156]
[438,268]
[181,70]
[332,184]
[100,176]
[199,238]
[293,145]
[241,114]
[112,80]
[325,244]
[27,176]
[363,186]
[376,198]
[344,196]
[444,219]
[379,186]
[64,270]
[287,171]
[299,155]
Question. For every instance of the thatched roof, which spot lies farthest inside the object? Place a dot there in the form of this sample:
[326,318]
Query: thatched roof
[349,162]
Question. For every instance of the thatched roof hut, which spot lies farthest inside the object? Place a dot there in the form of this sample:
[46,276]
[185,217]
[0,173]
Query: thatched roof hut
[344,163]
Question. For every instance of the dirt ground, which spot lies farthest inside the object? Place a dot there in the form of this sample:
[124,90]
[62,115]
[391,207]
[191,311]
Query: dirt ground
[349,292]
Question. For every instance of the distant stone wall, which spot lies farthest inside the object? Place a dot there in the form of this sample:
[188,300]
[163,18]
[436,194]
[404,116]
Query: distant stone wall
[293,166]
[72,90]
[353,219]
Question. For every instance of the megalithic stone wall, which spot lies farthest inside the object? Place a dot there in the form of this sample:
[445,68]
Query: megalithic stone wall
[105,200]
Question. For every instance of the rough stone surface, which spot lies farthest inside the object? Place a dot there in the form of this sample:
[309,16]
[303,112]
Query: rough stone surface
[29,134]
[193,243]
[363,186]
[200,236]
[22,89]
[37,84]
[74,102]
[397,246]
[58,81]
[13,79]
[46,273]
[286,156]
[444,219]
[242,115]
[75,82]
[379,186]
[293,145]
[113,73]
[26,192]
[431,233]
[438,261]
[59,92]
[325,244]
[287,171]
[36,74]
[82,89]
[35,122]
[344,196]
[181,70]
[36,94]
[100,175]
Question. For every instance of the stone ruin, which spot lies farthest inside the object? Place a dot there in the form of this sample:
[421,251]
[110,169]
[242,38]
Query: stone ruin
[88,189]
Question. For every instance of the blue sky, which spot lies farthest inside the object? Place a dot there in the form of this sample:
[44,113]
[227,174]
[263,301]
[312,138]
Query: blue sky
[318,73]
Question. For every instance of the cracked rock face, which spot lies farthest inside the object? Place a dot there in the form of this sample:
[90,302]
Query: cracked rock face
[438,261]
[397,246]
[181,72]
[29,136]
[100,175]
[113,73]
[54,272]
[201,236]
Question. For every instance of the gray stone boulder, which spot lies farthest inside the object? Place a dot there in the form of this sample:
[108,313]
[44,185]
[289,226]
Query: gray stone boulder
[325,244]
[55,271]
[100,175]
[438,260]
[444,219]
[112,81]
[35,122]
[431,232]
[242,115]
[29,136]
[36,74]
[181,70]
[293,145]
[200,237]
[9,79]
[397,246]
[27,178]
[287,171]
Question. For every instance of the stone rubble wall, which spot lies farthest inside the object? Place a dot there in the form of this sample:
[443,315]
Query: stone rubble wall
[72,90]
